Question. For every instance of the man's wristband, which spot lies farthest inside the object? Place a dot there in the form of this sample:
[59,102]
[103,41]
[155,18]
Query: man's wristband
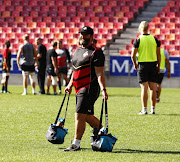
[103,90]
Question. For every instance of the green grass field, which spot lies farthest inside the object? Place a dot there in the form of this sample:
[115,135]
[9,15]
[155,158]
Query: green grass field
[25,120]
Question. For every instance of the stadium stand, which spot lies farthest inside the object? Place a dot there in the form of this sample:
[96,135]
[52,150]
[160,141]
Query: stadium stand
[46,18]
[165,26]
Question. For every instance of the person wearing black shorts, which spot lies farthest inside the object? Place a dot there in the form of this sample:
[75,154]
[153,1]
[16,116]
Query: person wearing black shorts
[148,67]
[62,57]
[51,68]
[6,66]
[41,55]
[88,79]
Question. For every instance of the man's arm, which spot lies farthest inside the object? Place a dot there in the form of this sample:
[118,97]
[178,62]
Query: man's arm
[68,89]
[133,57]
[54,64]
[101,80]
[19,55]
[168,68]
[158,58]
[35,55]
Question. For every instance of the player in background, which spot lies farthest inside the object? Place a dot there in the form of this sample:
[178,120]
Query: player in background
[164,62]
[6,65]
[62,57]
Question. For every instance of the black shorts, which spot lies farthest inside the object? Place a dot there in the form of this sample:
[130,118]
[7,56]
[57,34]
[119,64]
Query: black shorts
[147,72]
[50,71]
[160,78]
[63,70]
[85,100]
[30,68]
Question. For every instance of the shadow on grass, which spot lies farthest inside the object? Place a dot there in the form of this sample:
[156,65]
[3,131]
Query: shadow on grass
[169,114]
[145,151]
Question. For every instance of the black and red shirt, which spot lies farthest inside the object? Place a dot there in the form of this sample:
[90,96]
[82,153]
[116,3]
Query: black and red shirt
[7,56]
[84,62]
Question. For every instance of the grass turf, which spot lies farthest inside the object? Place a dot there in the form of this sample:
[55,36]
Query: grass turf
[25,120]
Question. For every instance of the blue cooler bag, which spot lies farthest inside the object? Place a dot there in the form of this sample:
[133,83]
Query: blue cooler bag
[56,133]
[103,141]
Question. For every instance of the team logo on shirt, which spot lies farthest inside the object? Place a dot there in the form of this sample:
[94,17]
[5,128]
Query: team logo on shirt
[85,54]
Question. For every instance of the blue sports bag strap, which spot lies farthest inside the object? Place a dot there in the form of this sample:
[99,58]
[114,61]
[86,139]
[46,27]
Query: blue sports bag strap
[106,116]
[100,122]
[66,108]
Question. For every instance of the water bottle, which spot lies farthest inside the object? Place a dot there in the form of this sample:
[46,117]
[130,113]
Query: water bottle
[60,122]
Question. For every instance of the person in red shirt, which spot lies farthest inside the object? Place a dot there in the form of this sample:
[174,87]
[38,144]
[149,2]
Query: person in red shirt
[6,65]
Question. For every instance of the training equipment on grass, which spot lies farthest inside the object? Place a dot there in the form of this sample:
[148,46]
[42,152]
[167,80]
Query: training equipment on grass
[103,141]
[56,132]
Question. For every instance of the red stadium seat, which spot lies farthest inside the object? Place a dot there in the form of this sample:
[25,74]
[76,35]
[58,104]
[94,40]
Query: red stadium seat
[91,14]
[52,13]
[169,47]
[53,8]
[59,3]
[99,14]
[107,9]
[70,24]
[112,3]
[10,8]
[29,19]
[174,9]
[63,9]
[165,19]
[177,47]
[79,24]
[12,24]
[51,24]
[94,3]
[107,36]
[67,3]
[75,19]
[37,19]
[80,9]
[9,19]
[134,9]
[177,25]
[103,3]
[175,53]
[43,14]
[22,24]
[104,19]
[161,14]
[113,31]
[41,3]
[170,25]
[101,42]
[85,3]
[16,30]
[66,19]
[15,3]
[130,15]
[175,31]
[113,19]
[118,25]
[125,9]
[60,24]
[64,30]
[175,42]
[32,24]
[41,24]
[90,24]
[108,25]
[175,20]
[19,19]
[50,3]
[45,9]
[124,20]
[6,14]
[36,8]
[81,13]
[68,35]
[76,3]
[140,4]
[90,8]
[62,14]
[99,25]
[24,3]
[71,14]
[7,30]
[160,25]
[170,14]
[59,35]
[74,30]
[160,36]
[33,3]
[156,20]
[85,19]
[124,52]
[36,30]
[98,9]
[54,30]
[19,8]
[7,3]
[165,42]
[155,31]
[166,9]
[152,25]
[19,35]
[27,8]
[103,30]
[49,36]
[171,3]
[47,19]
[165,31]
[73,41]
[121,3]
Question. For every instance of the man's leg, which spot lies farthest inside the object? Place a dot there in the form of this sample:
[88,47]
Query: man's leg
[59,82]
[32,80]
[152,87]
[158,92]
[25,82]
[144,97]
[66,79]
[54,84]
[48,83]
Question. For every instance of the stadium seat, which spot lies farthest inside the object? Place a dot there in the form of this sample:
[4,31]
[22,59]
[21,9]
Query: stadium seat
[19,35]
[53,13]
[175,19]
[161,14]
[36,8]
[33,3]
[16,30]
[29,19]
[41,3]
[124,52]
[174,9]
[81,14]
[24,14]
[74,30]
[37,19]
[107,36]
[36,30]
[12,24]
[85,3]
[108,25]
[79,24]
[134,9]
[75,19]
[49,36]
[54,29]
[113,19]
[73,41]
[171,3]
[112,3]
[175,42]
[170,25]
[170,36]
[118,25]
[98,9]
[45,9]
[51,24]
[125,9]
[107,9]
[19,19]
[90,8]
[175,31]
[15,3]
[6,14]
[67,3]
[90,24]
[99,25]
[85,19]
[80,9]
[66,19]
[53,9]
[160,25]
[2,19]
[121,3]
[165,42]
[156,19]
[76,3]
[7,30]
[113,31]
[45,30]
[177,47]
[9,19]
[170,14]
[130,15]
[165,31]
[104,19]
[139,4]
[124,20]
[103,30]
[152,25]
[32,24]
[169,48]
[103,3]
[101,42]
[62,9]
[10,8]
[166,9]
[165,19]
[70,24]
[41,24]
[99,14]
[2,35]
[109,14]
[60,24]
[175,53]
[22,24]
[119,14]
[68,35]
[59,35]
[50,3]
[7,3]
[160,36]
[94,3]
[64,30]
[19,8]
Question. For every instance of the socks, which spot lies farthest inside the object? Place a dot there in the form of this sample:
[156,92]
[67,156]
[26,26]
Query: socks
[25,90]
[5,88]
[2,88]
[76,142]
[152,108]
[59,85]
[33,90]
[144,109]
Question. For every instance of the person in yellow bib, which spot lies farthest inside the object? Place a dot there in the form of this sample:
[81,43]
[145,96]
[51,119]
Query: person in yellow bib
[164,63]
[148,49]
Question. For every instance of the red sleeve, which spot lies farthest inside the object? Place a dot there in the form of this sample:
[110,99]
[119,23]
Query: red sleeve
[5,54]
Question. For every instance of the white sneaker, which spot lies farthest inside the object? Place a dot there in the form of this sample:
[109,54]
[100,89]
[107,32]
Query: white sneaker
[142,113]
[23,94]
[151,112]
